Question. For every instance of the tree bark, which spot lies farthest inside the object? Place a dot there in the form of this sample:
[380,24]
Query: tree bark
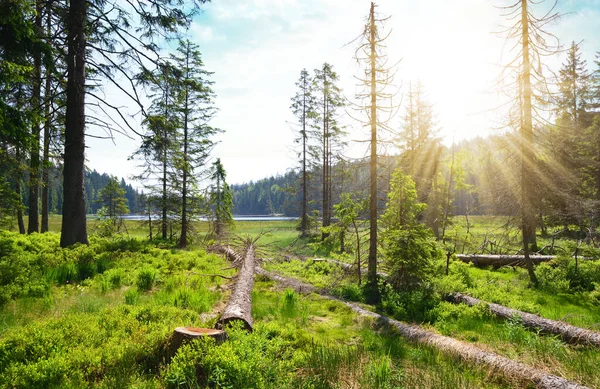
[304,223]
[47,131]
[18,175]
[467,352]
[527,156]
[239,307]
[74,227]
[373,296]
[33,223]
[184,195]
[567,332]
[326,188]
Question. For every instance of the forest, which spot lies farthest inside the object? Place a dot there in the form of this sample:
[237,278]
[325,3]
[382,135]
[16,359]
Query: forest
[418,262]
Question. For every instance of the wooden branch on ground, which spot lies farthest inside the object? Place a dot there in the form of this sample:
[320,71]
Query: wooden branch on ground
[467,352]
[239,307]
[567,332]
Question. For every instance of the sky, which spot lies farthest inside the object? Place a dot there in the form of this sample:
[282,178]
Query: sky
[257,48]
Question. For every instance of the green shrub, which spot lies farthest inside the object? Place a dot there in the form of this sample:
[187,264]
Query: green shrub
[415,305]
[289,306]
[131,297]
[116,277]
[145,278]
[246,360]
[350,292]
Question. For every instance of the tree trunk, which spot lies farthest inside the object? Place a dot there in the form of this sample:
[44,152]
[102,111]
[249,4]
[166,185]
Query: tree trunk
[239,307]
[373,297]
[47,131]
[18,174]
[567,332]
[465,351]
[184,217]
[304,223]
[527,156]
[74,228]
[326,205]
[33,224]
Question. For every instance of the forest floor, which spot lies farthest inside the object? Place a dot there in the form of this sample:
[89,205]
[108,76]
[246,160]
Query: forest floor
[101,316]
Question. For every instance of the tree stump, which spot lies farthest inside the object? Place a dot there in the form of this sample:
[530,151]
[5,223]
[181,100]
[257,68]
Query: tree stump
[183,335]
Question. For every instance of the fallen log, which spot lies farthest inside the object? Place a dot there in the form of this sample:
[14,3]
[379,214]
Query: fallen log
[239,307]
[465,351]
[567,332]
[502,260]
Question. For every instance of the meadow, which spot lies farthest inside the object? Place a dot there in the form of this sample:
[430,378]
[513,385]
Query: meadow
[101,316]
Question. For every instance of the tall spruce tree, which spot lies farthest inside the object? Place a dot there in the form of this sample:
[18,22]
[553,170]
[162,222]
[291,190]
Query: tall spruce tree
[221,199]
[195,100]
[160,144]
[303,107]
[121,34]
[329,101]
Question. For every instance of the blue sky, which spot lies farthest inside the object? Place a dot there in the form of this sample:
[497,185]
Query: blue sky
[257,49]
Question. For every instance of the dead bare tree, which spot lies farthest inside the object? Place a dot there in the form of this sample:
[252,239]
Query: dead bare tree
[528,88]
[378,107]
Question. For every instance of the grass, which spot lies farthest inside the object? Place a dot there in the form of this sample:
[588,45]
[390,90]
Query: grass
[101,315]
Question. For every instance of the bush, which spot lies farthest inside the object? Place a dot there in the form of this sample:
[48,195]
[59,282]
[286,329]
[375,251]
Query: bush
[145,278]
[350,292]
[247,360]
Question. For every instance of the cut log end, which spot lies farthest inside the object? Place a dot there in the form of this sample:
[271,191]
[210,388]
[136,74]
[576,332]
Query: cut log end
[182,335]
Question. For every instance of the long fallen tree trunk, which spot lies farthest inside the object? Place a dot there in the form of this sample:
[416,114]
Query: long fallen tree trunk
[239,307]
[452,346]
[502,260]
[567,332]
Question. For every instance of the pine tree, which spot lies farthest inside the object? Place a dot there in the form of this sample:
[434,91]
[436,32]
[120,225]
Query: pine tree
[160,144]
[329,101]
[195,99]
[408,246]
[303,107]
[113,201]
[221,199]
[115,42]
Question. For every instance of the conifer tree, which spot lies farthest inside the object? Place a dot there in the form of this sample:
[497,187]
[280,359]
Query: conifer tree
[221,199]
[303,107]
[329,101]
[113,201]
[195,100]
